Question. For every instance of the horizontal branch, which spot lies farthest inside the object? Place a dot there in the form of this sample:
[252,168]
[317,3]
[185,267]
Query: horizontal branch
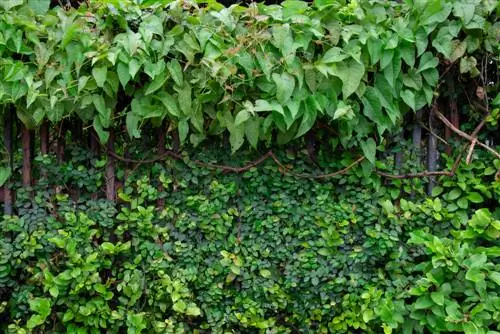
[463,134]
[415,175]
[242,169]
[320,176]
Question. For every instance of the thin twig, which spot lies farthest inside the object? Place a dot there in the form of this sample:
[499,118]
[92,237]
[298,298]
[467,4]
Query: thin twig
[232,169]
[433,133]
[415,175]
[463,134]
[484,73]
[320,176]
[450,173]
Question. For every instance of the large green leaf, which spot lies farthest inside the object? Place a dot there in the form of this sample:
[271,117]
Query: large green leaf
[409,98]
[123,73]
[285,84]
[334,55]
[372,108]
[169,102]
[99,73]
[132,123]
[427,61]
[252,128]
[4,175]
[369,148]
[40,7]
[282,38]
[350,72]
[183,128]
[156,84]
[9,4]
[236,137]
[308,120]
[175,70]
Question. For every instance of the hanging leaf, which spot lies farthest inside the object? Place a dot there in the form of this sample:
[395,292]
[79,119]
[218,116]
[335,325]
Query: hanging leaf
[282,38]
[40,7]
[183,128]
[123,74]
[307,123]
[334,55]
[409,98]
[285,84]
[99,74]
[252,127]
[133,67]
[82,82]
[242,116]
[185,102]
[101,133]
[156,84]
[343,110]
[369,148]
[427,60]
[350,72]
[176,72]
[5,173]
[372,106]
[236,137]
[169,102]
[132,123]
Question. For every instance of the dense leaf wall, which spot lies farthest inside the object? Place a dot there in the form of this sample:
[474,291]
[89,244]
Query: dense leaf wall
[252,72]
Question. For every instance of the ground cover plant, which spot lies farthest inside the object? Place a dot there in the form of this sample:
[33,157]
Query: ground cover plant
[308,167]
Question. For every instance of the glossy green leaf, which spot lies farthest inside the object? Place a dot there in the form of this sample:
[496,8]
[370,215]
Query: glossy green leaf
[5,173]
[369,148]
[350,72]
[175,70]
[285,84]
[100,74]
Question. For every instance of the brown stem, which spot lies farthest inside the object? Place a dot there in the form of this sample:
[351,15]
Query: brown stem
[110,171]
[44,145]
[245,168]
[44,138]
[424,174]
[160,203]
[8,196]
[316,177]
[474,135]
[60,142]
[26,169]
[432,156]
[95,146]
[465,135]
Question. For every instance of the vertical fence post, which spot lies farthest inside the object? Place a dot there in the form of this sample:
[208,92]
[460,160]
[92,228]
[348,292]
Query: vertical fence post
[160,203]
[432,155]
[44,145]
[110,171]
[417,134]
[26,144]
[7,136]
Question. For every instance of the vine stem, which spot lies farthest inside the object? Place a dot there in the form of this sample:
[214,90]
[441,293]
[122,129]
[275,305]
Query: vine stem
[462,134]
[242,169]
[450,173]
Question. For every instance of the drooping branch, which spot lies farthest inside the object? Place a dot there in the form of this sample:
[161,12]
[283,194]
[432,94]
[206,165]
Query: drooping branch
[465,135]
[7,135]
[110,171]
[26,169]
[242,169]
[425,174]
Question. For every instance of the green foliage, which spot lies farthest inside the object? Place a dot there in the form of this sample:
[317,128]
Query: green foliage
[257,252]
[252,72]
[458,290]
